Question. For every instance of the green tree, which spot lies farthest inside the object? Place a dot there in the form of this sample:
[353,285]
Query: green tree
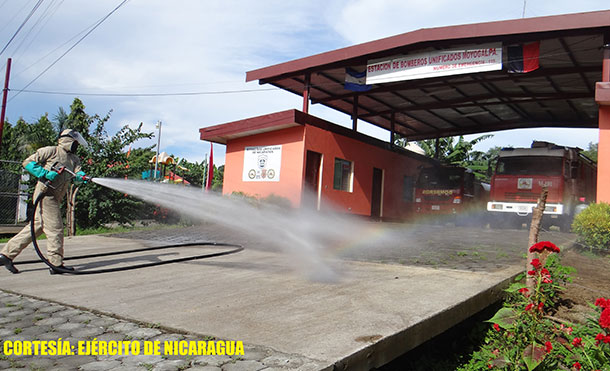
[79,120]
[484,163]
[13,144]
[60,119]
[106,157]
[92,205]
[218,179]
[451,151]
[458,152]
[23,139]
[591,151]
[194,172]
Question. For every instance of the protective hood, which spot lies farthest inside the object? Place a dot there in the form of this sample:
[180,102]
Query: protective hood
[68,137]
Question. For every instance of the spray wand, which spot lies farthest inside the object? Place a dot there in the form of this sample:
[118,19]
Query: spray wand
[60,169]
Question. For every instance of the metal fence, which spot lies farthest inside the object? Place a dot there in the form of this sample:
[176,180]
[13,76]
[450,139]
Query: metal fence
[13,193]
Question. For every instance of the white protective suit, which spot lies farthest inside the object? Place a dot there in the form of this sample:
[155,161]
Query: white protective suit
[48,218]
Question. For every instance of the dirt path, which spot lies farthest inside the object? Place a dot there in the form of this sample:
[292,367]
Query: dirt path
[590,281]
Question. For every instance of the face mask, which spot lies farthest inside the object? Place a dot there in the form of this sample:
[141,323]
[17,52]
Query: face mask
[74,147]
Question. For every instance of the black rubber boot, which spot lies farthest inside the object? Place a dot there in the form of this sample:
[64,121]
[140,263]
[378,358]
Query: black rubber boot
[66,267]
[8,263]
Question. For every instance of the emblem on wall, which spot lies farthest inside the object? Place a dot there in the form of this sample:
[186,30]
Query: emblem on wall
[262,163]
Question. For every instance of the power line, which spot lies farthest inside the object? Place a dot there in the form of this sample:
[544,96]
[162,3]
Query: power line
[73,46]
[22,24]
[59,47]
[144,94]
[47,14]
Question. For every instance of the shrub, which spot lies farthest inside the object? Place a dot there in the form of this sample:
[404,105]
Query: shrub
[593,226]
[525,336]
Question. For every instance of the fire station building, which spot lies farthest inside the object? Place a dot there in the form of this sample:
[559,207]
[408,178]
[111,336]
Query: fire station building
[533,72]
[315,163]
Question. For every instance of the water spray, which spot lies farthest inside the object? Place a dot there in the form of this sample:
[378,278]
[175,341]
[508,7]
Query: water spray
[308,236]
[232,248]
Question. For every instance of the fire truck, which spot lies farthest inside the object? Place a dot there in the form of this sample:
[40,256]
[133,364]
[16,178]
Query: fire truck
[522,173]
[450,193]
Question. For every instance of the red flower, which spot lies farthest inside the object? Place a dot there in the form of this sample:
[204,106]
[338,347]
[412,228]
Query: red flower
[536,263]
[496,327]
[576,365]
[601,302]
[524,291]
[604,318]
[531,273]
[544,245]
[607,339]
[548,346]
[529,306]
[577,342]
[546,276]
[599,338]
[540,306]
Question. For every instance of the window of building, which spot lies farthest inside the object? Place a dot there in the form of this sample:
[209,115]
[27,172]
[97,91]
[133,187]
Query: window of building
[344,171]
[407,188]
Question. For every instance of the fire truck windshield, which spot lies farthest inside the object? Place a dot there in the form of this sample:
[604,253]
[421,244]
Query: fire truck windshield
[434,178]
[539,165]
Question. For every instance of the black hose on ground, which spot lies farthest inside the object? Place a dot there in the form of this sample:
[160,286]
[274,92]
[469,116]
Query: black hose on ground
[235,249]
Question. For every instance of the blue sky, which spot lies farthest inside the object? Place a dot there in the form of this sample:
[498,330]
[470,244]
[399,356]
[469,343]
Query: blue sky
[185,46]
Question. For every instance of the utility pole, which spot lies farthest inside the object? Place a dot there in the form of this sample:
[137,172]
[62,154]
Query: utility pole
[4,96]
[158,126]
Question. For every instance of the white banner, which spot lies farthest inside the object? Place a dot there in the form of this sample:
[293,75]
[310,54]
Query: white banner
[435,63]
[262,164]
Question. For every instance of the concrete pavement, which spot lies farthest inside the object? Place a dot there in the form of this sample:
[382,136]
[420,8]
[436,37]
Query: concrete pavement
[371,314]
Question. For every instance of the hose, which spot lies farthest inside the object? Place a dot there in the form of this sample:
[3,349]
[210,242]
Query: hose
[234,249]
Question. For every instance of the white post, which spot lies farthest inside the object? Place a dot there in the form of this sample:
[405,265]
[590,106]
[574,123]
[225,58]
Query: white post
[158,126]
[205,172]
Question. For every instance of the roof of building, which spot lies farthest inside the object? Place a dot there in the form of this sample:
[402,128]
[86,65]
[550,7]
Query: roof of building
[224,133]
[560,93]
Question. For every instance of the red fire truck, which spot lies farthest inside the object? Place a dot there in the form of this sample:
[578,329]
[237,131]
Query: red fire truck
[522,173]
[450,193]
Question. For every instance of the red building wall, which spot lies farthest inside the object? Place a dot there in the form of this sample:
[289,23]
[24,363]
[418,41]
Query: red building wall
[291,172]
[299,139]
[365,157]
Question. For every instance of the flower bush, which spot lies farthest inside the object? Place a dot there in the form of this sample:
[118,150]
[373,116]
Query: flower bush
[525,336]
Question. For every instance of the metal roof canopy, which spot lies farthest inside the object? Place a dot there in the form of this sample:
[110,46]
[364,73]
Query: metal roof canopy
[560,93]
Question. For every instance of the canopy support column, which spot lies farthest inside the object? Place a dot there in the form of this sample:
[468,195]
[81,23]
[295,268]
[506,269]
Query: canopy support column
[306,93]
[392,128]
[602,97]
[355,114]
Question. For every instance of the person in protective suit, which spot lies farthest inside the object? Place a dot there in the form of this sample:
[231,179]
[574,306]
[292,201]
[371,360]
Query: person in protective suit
[54,184]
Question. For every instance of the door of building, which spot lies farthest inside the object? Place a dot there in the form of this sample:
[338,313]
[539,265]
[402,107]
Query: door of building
[376,193]
[312,179]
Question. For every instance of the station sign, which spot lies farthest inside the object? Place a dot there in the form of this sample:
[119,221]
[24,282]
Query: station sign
[436,63]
